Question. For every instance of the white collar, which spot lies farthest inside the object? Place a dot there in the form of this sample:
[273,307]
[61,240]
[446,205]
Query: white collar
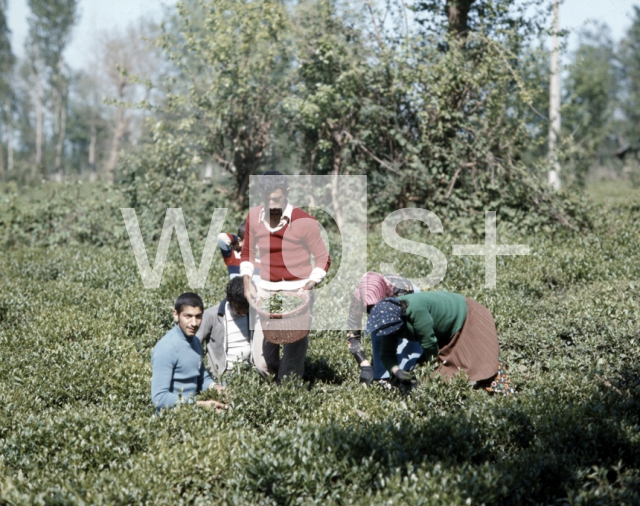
[284,219]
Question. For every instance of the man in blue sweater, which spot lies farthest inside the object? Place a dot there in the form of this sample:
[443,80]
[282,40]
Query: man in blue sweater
[176,361]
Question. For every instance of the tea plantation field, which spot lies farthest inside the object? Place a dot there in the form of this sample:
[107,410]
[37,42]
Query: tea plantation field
[77,426]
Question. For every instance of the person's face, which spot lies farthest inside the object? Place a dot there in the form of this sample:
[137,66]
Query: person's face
[239,308]
[189,320]
[238,245]
[276,201]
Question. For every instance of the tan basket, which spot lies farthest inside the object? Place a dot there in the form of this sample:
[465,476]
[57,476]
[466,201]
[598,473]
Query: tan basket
[286,328]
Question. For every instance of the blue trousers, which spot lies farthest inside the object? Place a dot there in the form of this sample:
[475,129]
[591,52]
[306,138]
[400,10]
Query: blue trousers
[408,353]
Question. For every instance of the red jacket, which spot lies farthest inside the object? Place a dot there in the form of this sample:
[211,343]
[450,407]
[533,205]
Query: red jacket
[285,254]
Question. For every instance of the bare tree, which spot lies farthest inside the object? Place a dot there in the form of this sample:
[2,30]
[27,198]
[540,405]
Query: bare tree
[36,71]
[7,61]
[126,60]
[9,129]
[50,24]
[61,93]
[554,103]
[9,116]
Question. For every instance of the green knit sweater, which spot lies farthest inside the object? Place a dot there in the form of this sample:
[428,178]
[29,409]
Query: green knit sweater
[432,319]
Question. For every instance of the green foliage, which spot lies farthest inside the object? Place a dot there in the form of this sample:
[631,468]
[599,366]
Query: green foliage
[65,214]
[281,303]
[630,64]
[434,120]
[591,88]
[7,59]
[50,26]
[77,425]
[167,176]
[234,55]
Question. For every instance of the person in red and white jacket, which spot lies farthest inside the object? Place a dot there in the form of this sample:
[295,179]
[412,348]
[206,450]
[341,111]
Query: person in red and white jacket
[286,238]
[230,246]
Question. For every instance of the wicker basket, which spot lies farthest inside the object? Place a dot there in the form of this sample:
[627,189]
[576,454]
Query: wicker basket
[286,328]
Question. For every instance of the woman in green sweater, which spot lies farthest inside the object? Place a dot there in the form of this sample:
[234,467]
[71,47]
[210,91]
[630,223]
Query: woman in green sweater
[458,331]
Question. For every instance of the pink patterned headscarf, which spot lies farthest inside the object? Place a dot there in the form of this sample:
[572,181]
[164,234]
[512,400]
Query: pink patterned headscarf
[372,288]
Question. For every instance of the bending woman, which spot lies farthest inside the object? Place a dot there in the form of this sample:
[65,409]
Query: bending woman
[371,289]
[458,331]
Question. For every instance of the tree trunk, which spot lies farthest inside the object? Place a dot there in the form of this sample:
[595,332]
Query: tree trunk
[118,134]
[554,103]
[39,132]
[458,14]
[61,137]
[247,161]
[35,68]
[57,176]
[92,148]
[244,186]
[62,124]
[1,160]
[9,137]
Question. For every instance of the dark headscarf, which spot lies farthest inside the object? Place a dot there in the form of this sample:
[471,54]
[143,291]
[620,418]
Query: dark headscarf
[385,317]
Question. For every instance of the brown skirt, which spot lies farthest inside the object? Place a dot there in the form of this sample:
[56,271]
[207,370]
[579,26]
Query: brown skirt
[474,348]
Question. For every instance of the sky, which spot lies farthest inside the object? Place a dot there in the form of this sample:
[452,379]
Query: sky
[100,15]
[618,14]
[95,16]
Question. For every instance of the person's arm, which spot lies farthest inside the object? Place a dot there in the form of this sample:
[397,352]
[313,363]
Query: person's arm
[205,381]
[425,335]
[226,242]
[204,336]
[356,312]
[250,292]
[247,257]
[248,252]
[163,363]
[204,332]
[354,335]
[319,251]
[430,347]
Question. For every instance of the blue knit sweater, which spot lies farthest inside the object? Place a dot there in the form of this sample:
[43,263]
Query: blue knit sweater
[177,366]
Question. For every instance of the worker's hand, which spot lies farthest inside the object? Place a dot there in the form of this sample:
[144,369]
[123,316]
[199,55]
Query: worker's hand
[405,376]
[310,285]
[366,374]
[216,386]
[355,348]
[250,292]
[219,406]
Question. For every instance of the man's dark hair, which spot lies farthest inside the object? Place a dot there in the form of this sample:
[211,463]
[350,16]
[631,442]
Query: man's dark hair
[241,230]
[188,299]
[235,291]
[275,180]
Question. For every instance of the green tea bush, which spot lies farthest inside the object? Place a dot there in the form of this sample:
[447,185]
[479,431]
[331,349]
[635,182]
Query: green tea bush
[77,426]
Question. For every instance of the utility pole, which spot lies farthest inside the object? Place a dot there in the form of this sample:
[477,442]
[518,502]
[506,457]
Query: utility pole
[554,102]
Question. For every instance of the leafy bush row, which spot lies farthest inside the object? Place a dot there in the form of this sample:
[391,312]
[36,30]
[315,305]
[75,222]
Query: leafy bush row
[76,424]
